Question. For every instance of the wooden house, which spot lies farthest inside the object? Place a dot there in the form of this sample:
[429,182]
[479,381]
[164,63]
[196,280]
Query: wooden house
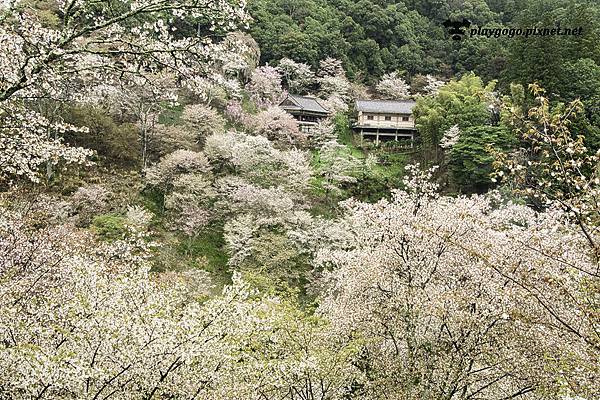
[382,120]
[305,109]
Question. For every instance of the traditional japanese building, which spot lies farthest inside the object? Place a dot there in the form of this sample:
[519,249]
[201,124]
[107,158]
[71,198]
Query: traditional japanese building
[306,110]
[382,120]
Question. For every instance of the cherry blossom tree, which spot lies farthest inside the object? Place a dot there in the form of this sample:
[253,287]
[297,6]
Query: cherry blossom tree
[138,217]
[359,91]
[163,174]
[463,297]
[393,87]
[322,133]
[433,86]
[334,94]
[203,121]
[278,126]
[246,59]
[297,76]
[335,104]
[90,200]
[66,300]
[450,137]
[189,201]
[334,86]
[330,67]
[94,38]
[28,141]
[214,89]
[257,159]
[184,179]
[143,97]
[93,43]
[553,167]
[235,112]
[265,86]
[262,195]
[337,166]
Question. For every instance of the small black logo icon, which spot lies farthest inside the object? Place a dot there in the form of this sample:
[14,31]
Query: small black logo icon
[456,29]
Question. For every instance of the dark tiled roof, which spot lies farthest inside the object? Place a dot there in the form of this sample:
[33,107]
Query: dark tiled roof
[304,103]
[386,106]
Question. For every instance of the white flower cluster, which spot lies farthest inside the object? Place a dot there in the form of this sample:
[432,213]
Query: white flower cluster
[392,86]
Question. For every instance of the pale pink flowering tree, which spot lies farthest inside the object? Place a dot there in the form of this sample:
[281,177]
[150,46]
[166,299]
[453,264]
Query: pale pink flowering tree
[450,138]
[138,217]
[322,133]
[261,233]
[265,86]
[92,38]
[247,56]
[92,43]
[257,159]
[393,87]
[242,197]
[554,167]
[89,201]
[189,202]
[184,178]
[66,300]
[334,86]
[215,89]
[337,166]
[235,112]
[433,85]
[192,219]
[278,126]
[335,104]
[262,193]
[144,97]
[202,120]
[29,140]
[297,76]
[163,174]
[330,67]
[484,299]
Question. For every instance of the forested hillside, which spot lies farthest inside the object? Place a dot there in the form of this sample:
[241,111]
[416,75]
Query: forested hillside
[377,37]
[190,208]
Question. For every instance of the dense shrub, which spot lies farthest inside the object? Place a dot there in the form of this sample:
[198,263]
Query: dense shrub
[110,226]
[113,142]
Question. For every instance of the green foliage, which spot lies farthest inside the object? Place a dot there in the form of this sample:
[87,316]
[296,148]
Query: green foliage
[374,37]
[113,142]
[171,114]
[383,177]
[583,85]
[546,59]
[341,128]
[109,226]
[471,159]
[370,38]
[464,103]
[209,246]
[154,200]
[46,11]
[581,80]
[486,56]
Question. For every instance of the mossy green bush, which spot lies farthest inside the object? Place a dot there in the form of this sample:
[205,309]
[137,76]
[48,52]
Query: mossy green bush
[109,226]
